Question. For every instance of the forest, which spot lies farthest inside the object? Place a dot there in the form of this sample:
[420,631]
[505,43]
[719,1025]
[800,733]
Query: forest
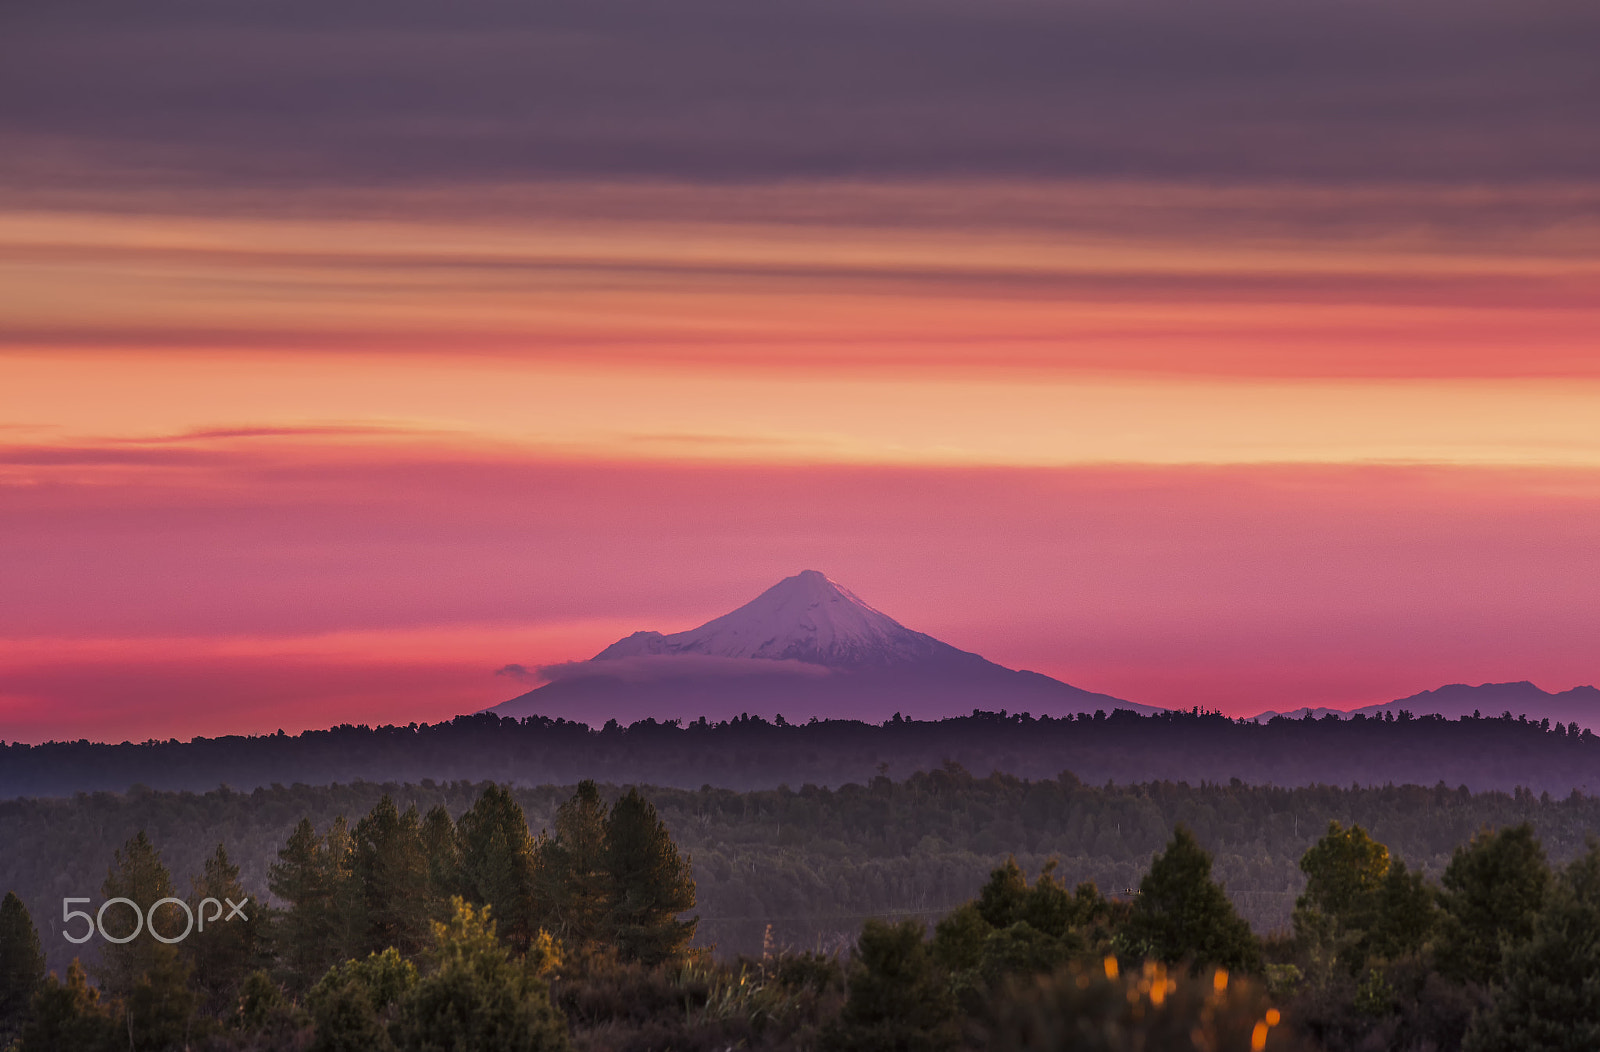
[1481,752]
[410,928]
[814,863]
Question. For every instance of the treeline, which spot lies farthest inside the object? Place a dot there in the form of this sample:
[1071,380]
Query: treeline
[1496,955]
[814,863]
[750,753]
[488,910]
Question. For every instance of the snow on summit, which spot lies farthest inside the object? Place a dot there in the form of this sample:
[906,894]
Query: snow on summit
[805,647]
[806,617]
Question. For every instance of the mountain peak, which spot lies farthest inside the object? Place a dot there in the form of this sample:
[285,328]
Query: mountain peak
[807,645]
[807,617]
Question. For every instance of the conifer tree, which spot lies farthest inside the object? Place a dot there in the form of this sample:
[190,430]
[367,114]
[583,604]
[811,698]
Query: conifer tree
[573,883]
[899,1000]
[309,879]
[497,864]
[1345,873]
[392,872]
[149,979]
[1493,890]
[444,859]
[1407,913]
[651,884]
[1002,901]
[1181,914]
[1550,1000]
[228,947]
[21,965]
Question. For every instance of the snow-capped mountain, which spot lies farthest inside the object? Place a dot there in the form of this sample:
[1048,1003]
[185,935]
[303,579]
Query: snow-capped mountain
[806,617]
[805,647]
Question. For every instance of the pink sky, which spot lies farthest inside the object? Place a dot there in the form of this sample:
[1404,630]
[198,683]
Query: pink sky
[1179,445]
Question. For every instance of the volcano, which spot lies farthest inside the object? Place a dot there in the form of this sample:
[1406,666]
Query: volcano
[805,647]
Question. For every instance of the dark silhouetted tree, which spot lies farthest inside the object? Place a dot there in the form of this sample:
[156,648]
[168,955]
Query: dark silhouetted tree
[497,864]
[21,965]
[1493,890]
[224,951]
[148,978]
[650,885]
[1181,914]
[312,877]
[898,1000]
[391,869]
[444,860]
[573,883]
[1408,913]
[1550,999]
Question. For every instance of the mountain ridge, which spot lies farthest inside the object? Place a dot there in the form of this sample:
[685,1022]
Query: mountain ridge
[1580,704]
[806,647]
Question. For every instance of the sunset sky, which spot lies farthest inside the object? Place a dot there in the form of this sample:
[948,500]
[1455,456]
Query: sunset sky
[1240,354]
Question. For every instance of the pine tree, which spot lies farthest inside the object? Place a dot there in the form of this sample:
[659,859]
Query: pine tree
[573,882]
[497,865]
[899,1000]
[21,965]
[1550,1001]
[1003,899]
[392,870]
[309,881]
[68,1015]
[1407,914]
[149,979]
[477,997]
[138,875]
[444,859]
[650,884]
[1345,873]
[225,950]
[1493,890]
[1181,914]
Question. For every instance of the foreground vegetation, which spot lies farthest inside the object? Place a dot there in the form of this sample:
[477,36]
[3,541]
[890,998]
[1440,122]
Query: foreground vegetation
[407,930]
[815,863]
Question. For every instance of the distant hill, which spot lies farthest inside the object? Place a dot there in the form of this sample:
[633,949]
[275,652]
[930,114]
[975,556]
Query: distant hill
[1580,705]
[806,647]
[751,753]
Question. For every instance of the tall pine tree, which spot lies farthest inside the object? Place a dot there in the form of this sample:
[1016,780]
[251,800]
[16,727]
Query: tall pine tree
[21,965]
[323,917]
[444,859]
[148,977]
[392,869]
[574,885]
[497,864]
[226,950]
[650,884]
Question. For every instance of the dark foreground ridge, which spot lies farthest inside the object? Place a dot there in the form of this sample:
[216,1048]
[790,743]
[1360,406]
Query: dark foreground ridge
[1499,753]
